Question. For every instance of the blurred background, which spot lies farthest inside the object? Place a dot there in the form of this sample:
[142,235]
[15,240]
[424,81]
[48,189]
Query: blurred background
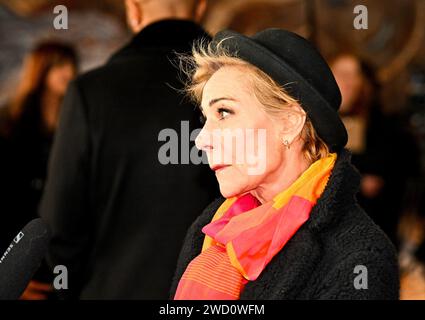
[381,72]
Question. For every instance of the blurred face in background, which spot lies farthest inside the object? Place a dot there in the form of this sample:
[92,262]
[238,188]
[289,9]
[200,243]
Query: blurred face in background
[58,78]
[46,74]
[347,72]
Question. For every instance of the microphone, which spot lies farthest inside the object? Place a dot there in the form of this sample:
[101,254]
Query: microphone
[22,259]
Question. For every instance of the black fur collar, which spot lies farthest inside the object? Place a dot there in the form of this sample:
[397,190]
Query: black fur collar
[340,192]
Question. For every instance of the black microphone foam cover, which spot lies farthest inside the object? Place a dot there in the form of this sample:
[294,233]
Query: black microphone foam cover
[22,259]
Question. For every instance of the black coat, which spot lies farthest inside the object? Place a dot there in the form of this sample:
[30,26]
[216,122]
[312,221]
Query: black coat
[319,261]
[118,216]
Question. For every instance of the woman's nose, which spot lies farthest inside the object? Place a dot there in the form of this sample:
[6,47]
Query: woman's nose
[204,140]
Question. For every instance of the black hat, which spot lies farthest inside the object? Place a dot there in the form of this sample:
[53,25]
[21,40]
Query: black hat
[296,65]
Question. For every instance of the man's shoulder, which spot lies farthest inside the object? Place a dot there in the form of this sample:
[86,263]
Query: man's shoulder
[141,64]
[92,75]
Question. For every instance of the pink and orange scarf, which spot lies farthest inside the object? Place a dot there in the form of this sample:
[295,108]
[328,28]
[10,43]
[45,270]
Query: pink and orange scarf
[244,235]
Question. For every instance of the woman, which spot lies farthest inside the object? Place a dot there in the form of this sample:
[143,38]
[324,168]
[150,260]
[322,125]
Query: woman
[292,230]
[371,138]
[28,130]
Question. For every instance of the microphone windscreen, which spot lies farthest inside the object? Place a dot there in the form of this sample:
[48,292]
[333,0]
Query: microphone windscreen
[22,259]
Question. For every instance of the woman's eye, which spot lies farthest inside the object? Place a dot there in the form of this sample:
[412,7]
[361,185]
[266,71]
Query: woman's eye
[224,113]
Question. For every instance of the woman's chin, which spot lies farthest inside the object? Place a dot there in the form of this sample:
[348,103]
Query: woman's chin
[228,192]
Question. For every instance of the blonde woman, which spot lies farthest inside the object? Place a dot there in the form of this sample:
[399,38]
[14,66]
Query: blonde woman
[294,229]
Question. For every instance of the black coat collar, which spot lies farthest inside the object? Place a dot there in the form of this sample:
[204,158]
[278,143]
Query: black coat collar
[339,193]
[168,34]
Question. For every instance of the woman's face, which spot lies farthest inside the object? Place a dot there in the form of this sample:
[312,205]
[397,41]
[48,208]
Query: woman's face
[241,141]
[58,78]
[346,70]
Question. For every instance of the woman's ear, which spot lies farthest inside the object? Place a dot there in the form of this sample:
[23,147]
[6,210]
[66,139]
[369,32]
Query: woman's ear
[134,15]
[292,123]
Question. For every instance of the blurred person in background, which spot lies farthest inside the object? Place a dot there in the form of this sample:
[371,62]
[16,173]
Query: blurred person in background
[28,125]
[383,151]
[117,215]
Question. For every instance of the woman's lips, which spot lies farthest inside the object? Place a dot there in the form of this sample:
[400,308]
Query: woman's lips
[220,167]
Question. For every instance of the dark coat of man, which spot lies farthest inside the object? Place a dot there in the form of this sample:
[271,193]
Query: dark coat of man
[117,215]
[339,253]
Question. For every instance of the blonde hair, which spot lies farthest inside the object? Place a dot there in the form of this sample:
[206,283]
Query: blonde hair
[207,58]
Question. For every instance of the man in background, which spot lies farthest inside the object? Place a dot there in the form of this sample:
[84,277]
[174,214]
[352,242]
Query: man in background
[117,215]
